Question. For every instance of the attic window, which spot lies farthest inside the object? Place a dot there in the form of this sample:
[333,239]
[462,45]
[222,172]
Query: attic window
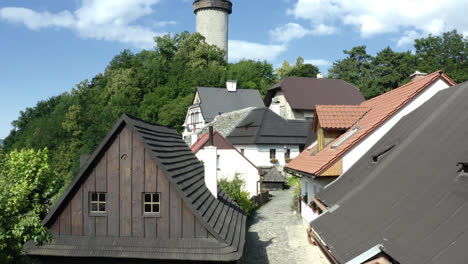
[151,204]
[346,137]
[97,202]
[379,156]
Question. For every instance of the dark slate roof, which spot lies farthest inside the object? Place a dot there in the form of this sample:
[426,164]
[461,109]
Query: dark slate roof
[271,174]
[407,193]
[222,217]
[215,101]
[263,126]
[305,93]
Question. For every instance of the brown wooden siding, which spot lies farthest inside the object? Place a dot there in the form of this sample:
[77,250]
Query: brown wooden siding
[335,170]
[124,172]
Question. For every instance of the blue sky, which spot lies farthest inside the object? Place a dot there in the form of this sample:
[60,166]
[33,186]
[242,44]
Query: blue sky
[48,46]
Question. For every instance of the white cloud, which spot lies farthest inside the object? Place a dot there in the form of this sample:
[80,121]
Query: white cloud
[160,24]
[408,38]
[239,49]
[372,17]
[318,62]
[291,31]
[111,20]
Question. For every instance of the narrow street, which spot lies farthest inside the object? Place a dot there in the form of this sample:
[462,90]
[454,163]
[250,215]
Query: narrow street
[276,235]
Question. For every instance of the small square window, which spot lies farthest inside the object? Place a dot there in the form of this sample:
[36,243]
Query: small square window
[97,202]
[272,153]
[151,204]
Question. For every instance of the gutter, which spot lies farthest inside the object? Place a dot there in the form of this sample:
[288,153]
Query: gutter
[317,241]
[365,256]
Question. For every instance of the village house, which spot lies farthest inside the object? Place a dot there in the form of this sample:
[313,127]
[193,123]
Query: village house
[227,160]
[346,133]
[404,201]
[142,197]
[210,102]
[267,139]
[296,97]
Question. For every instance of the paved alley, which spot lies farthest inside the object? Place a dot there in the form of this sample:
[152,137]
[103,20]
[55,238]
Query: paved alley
[276,235]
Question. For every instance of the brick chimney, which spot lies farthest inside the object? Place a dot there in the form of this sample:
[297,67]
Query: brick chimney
[417,75]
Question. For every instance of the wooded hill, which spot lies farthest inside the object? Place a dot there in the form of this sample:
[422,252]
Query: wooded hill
[158,85]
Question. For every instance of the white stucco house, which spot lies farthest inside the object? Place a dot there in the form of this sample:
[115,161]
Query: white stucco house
[296,97]
[210,102]
[267,139]
[346,133]
[229,161]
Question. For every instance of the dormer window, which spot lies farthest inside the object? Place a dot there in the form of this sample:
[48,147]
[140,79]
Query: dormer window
[464,168]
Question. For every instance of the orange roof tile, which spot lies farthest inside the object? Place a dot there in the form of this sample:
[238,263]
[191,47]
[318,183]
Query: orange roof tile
[381,107]
[338,116]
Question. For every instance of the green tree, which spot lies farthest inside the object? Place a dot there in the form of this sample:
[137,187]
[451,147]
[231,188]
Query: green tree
[252,74]
[27,184]
[448,53]
[300,69]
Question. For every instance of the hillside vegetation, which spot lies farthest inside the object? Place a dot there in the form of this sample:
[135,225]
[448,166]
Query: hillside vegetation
[158,86]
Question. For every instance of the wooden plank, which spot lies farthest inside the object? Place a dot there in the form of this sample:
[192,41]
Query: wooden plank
[188,222]
[126,182]
[200,230]
[55,228]
[89,223]
[76,213]
[163,188]
[65,221]
[101,177]
[112,204]
[175,205]
[138,177]
[101,225]
[151,223]
[335,170]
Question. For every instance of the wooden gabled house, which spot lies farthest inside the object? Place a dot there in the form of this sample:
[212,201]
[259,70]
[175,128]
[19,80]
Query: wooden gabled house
[141,197]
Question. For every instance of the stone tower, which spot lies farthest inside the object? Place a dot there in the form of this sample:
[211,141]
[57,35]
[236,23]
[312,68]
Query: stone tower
[212,21]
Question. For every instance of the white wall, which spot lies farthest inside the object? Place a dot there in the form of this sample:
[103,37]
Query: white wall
[311,187]
[359,150]
[213,25]
[187,133]
[260,154]
[231,162]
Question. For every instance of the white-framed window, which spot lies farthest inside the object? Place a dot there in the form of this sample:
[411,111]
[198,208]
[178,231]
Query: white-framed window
[97,202]
[151,204]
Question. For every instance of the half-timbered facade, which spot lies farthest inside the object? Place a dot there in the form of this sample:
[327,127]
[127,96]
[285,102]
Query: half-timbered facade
[142,196]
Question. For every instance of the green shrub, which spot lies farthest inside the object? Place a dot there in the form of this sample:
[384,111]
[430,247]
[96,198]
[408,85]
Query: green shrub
[234,189]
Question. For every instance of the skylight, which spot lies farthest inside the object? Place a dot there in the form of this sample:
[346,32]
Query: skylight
[345,137]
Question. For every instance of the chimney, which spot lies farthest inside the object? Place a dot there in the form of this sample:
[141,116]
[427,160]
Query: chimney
[417,75]
[231,85]
[319,75]
[211,165]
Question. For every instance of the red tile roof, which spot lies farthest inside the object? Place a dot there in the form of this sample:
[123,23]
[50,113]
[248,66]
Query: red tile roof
[220,142]
[338,116]
[381,109]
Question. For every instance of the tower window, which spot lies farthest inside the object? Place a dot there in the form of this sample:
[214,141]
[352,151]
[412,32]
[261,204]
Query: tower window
[151,204]
[97,202]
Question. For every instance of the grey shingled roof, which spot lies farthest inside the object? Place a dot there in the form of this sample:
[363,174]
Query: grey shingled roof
[225,123]
[216,101]
[222,217]
[412,199]
[271,174]
[263,126]
[305,93]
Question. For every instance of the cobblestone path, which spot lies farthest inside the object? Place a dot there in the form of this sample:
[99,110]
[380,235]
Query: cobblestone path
[276,235]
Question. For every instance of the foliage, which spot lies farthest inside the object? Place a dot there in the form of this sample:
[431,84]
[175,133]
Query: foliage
[155,85]
[235,190]
[27,184]
[300,69]
[389,69]
[295,183]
